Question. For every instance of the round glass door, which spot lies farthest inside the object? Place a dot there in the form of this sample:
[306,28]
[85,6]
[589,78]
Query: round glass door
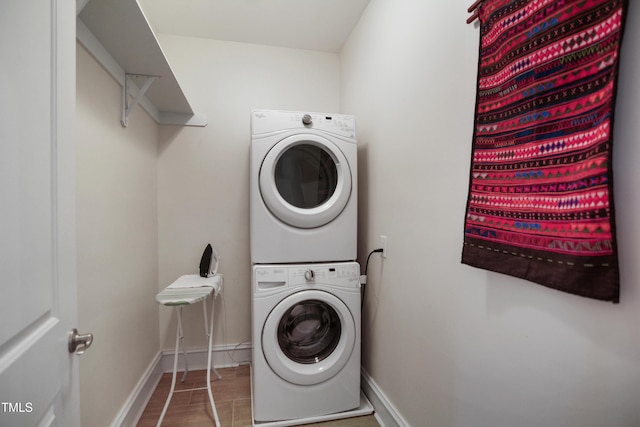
[305,181]
[309,331]
[306,176]
[308,337]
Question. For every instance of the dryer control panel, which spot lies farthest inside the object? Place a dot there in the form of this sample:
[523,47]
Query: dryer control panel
[266,121]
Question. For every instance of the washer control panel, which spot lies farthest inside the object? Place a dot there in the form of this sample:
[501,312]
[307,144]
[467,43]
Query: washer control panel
[271,277]
[326,274]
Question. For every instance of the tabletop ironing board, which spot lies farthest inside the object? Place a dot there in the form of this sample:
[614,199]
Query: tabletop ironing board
[186,290]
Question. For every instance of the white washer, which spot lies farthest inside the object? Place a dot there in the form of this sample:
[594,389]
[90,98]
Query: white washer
[303,187]
[306,340]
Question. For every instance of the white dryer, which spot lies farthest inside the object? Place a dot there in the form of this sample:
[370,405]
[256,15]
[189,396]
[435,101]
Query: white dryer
[303,187]
[306,340]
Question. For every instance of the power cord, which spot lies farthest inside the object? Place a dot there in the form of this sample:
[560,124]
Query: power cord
[231,353]
[363,278]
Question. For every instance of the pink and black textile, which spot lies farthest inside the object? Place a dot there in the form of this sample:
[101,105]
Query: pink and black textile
[540,203]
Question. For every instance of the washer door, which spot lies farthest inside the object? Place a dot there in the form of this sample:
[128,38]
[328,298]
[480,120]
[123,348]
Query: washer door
[305,181]
[308,337]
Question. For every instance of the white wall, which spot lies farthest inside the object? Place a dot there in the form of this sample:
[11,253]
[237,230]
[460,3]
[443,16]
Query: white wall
[117,244]
[451,345]
[203,173]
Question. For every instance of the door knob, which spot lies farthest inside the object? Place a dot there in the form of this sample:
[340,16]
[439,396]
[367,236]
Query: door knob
[79,343]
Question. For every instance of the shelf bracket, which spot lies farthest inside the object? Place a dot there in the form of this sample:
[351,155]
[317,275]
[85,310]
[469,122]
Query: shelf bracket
[128,107]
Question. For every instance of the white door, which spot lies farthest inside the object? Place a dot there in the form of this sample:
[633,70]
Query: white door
[38,376]
[305,181]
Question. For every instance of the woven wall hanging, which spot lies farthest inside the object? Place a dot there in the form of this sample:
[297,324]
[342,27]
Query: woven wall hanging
[540,204]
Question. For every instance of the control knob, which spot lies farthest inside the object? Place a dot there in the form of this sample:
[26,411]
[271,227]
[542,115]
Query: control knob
[307,120]
[310,275]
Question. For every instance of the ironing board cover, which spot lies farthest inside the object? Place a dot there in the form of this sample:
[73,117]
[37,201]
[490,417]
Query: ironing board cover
[189,289]
[540,204]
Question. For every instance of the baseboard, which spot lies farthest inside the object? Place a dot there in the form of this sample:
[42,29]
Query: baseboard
[222,356]
[386,414]
[134,406]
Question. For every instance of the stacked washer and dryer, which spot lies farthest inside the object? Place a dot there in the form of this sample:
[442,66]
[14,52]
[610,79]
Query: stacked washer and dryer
[305,281]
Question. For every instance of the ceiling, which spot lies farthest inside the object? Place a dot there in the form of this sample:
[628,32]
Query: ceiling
[321,25]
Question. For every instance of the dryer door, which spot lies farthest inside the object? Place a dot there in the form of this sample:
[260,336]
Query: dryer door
[305,181]
[308,337]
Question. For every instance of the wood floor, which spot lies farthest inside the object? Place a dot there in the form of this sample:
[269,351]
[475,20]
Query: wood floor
[190,407]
